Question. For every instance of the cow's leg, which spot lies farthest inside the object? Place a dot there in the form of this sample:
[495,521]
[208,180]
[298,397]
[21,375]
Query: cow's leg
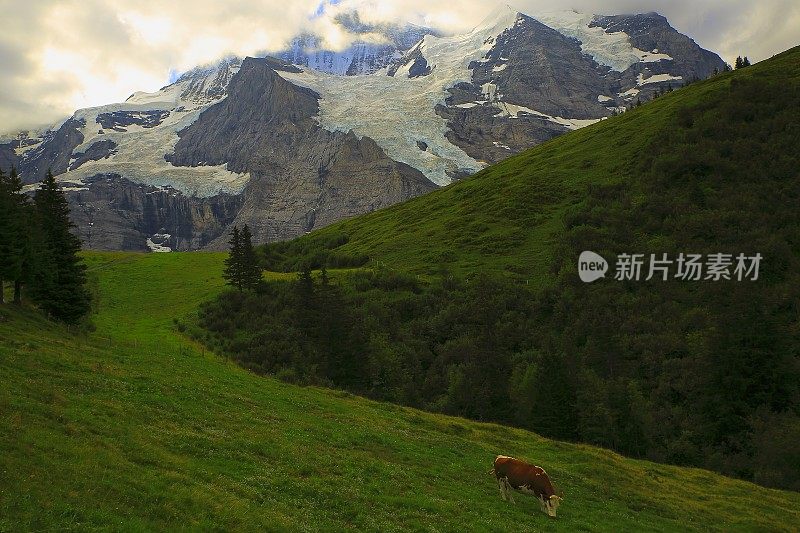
[508,493]
[502,485]
[509,490]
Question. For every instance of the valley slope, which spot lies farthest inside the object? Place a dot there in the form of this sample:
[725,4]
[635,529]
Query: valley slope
[133,427]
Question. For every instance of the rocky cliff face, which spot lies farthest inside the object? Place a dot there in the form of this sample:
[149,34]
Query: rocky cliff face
[8,157]
[290,144]
[112,213]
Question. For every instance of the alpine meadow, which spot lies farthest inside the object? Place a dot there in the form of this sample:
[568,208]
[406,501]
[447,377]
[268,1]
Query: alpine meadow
[340,284]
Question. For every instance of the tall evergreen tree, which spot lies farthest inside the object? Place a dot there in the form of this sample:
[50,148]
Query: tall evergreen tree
[5,232]
[739,63]
[250,270]
[15,233]
[23,229]
[233,263]
[241,267]
[59,278]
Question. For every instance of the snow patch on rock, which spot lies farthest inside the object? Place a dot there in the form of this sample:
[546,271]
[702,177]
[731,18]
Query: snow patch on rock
[651,57]
[513,111]
[630,93]
[156,243]
[657,78]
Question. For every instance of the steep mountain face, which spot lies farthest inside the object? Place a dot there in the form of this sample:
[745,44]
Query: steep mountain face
[293,143]
[8,155]
[114,213]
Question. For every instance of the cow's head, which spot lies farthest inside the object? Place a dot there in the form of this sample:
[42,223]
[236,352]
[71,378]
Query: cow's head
[551,504]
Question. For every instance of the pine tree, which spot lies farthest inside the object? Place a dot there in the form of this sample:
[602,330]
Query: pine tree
[250,270]
[739,63]
[17,257]
[59,278]
[5,231]
[745,62]
[233,263]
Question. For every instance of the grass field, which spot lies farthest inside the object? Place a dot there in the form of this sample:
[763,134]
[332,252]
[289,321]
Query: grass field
[132,427]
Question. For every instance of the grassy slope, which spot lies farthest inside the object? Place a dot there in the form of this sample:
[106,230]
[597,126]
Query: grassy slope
[134,427]
[503,219]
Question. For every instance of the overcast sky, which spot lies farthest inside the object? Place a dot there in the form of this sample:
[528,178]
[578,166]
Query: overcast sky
[57,56]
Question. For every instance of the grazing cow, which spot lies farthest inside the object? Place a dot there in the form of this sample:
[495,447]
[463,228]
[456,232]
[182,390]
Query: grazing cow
[515,474]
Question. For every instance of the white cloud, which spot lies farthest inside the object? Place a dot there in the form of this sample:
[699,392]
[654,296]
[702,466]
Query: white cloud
[57,56]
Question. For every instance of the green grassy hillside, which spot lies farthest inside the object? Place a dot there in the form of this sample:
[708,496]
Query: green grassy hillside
[504,219]
[132,427]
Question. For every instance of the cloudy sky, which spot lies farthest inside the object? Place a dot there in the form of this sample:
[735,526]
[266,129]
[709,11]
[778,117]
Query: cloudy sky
[60,55]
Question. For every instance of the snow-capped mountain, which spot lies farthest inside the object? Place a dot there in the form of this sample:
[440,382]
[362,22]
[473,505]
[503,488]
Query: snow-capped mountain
[287,148]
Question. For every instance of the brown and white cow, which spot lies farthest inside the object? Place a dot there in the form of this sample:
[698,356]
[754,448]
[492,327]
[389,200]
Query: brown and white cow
[515,474]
